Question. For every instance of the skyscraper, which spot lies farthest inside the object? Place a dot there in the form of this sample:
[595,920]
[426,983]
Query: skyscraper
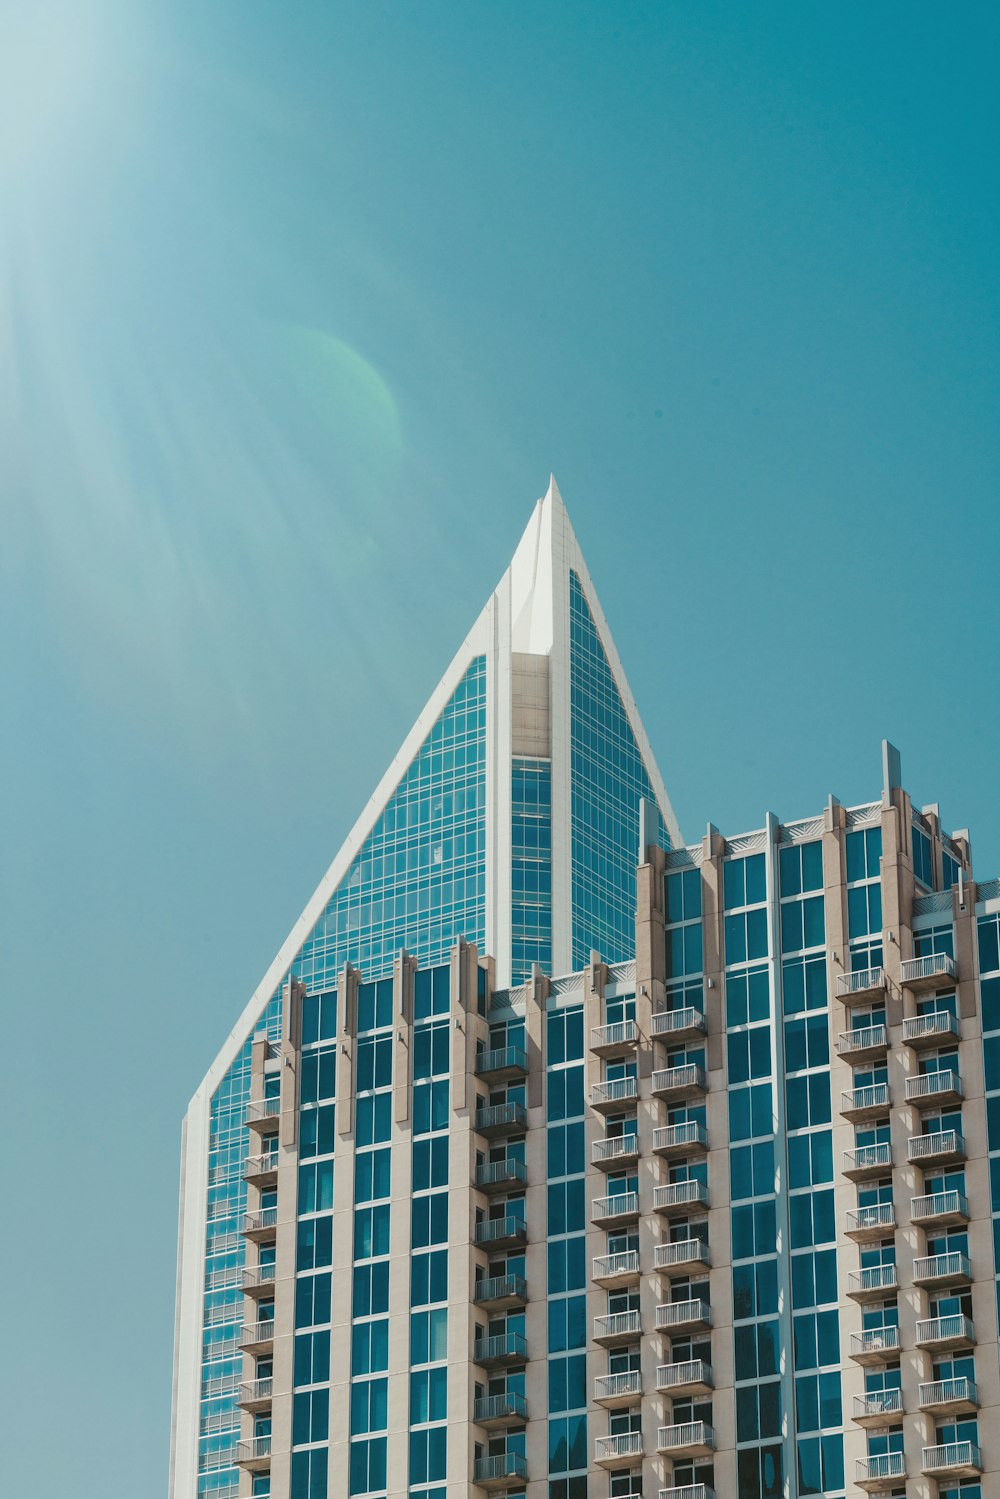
[555,1158]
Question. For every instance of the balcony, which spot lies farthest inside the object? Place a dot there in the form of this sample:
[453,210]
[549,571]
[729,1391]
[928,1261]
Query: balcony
[688,1491]
[876,1345]
[509,1232]
[507,1409]
[617,1327]
[613,1270]
[861,987]
[948,1397]
[878,1408]
[254,1454]
[676,1199]
[497,1471]
[613,1094]
[931,1090]
[500,1119]
[679,1082]
[875,1283]
[261,1170]
[255,1394]
[680,1139]
[500,1176]
[258,1280]
[617,1040]
[936,971]
[615,1150]
[618,1451]
[680,1256]
[689,1439]
[258,1337]
[609,1212]
[262,1114]
[942,1147]
[679,1025]
[611,1390]
[952,1460]
[868,1160]
[260,1224]
[930,1030]
[501,1351]
[875,1222]
[942,1333]
[941,1270]
[503,1064]
[882,1472]
[940,1209]
[865,1103]
[501,1291]
[866,1042]
[676,1317]
[690,1377]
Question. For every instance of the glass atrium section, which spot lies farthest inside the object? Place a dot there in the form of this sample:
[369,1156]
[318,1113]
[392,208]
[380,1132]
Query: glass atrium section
[609,781]
[531,867]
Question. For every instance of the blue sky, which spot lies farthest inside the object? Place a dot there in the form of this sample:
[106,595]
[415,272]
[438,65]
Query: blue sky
[299,306]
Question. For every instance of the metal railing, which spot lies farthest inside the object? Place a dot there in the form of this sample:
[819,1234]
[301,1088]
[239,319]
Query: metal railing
[878,1403]
[934,965]
[621,1444]
[504,1345]
[880,1469]
[617,1324]
[681,1252]
[678,1376]
[616,1090]
[873,1278]
[260,1109]
[687,1075]
[253,1449]
[860,982]
[254,1390]
[949,1456]
[938,1142]
[671,1022]
[951,1266]
[680,1313]
[501,1116]
[490,1230]
[939,1205]
[494,1173]
[930,1084]
[869,1157]
[620,1033]
[685,1434]
[858,1100]
[864,1220]
[260,1219]
[609,1266]
[953,1329]
[260,1165]
[257,1332]
[502,1059]
[676,1136]
[621,1205]
[875,1340]
[867,1038]
[500,1465]
[680,1194]
[920,1027]
[688,1491]
[614,1147]
[258,1275]
[960,1391]
[500,1288]
[499,1407]
[618,1386]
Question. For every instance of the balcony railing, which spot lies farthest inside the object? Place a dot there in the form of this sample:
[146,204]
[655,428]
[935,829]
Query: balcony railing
[875,1344]
[253,1451]
[258,1277]
[500,1173]
[498,1231]
[620,1036]
[955,1331]
[931,1087]
[262,1112]
[621,1266]
[688,1491]
[952,1457]
[614,1209]
[501,1119]
[858,985]
[680,1196]
[689,1077]
[260,1220]
[876,1472]
[867,1038]
[614,1091]
[623,1446]
[690,1375]
[872,1281]
[499,1468]
[858,1102]
[492,1409]
[687,1436]
[504,1348]
[673,1139]
[681,1254]
[617,1325]
[256,1166]
[506,1061]
[679,1023]
[926,1030]
[944,1395]
[495,1288]
[878,1405]
[940,1207]
[671,1315]
[868,1160]
[939,1145]
[256,1334]
[615,1387]
[933,971]
[871,1222]
[942,1269]
[614,1148]
[255,1392]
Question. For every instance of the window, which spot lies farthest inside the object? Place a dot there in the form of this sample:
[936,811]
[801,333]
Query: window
[371,1232]
[800,868]
[431,992]
[755,1292]
[310,1416]
[810,1159]
[318,1075]
[746,936]
[758,1411]
[814,1279]
[371,1289]
[812,1219]
[683,896]
[923,866]
[372,1120]
[748,997]
[808,1100]
[430,1164]
[428,1395]
[821,1464]
[370,1346]
[309,1473]
[751,1112]
[374,1006]
[802,924]
[807,1043]
[314,1243]
[369,1405]
[311,1360]
[315,1187]
[864,854]
[429,1336]
[367,1465]
[429,1219]
[749,1054]
[430,1050]
[751,1170]
[803,984]
[429,1277]
[374,1063]
[312,1300]
[316,1131]
[744,882]
[319,1017]
[564,1034]
[754,1230]
[864,910]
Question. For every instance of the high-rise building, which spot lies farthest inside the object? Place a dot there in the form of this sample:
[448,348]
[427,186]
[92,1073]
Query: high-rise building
[556,1159]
